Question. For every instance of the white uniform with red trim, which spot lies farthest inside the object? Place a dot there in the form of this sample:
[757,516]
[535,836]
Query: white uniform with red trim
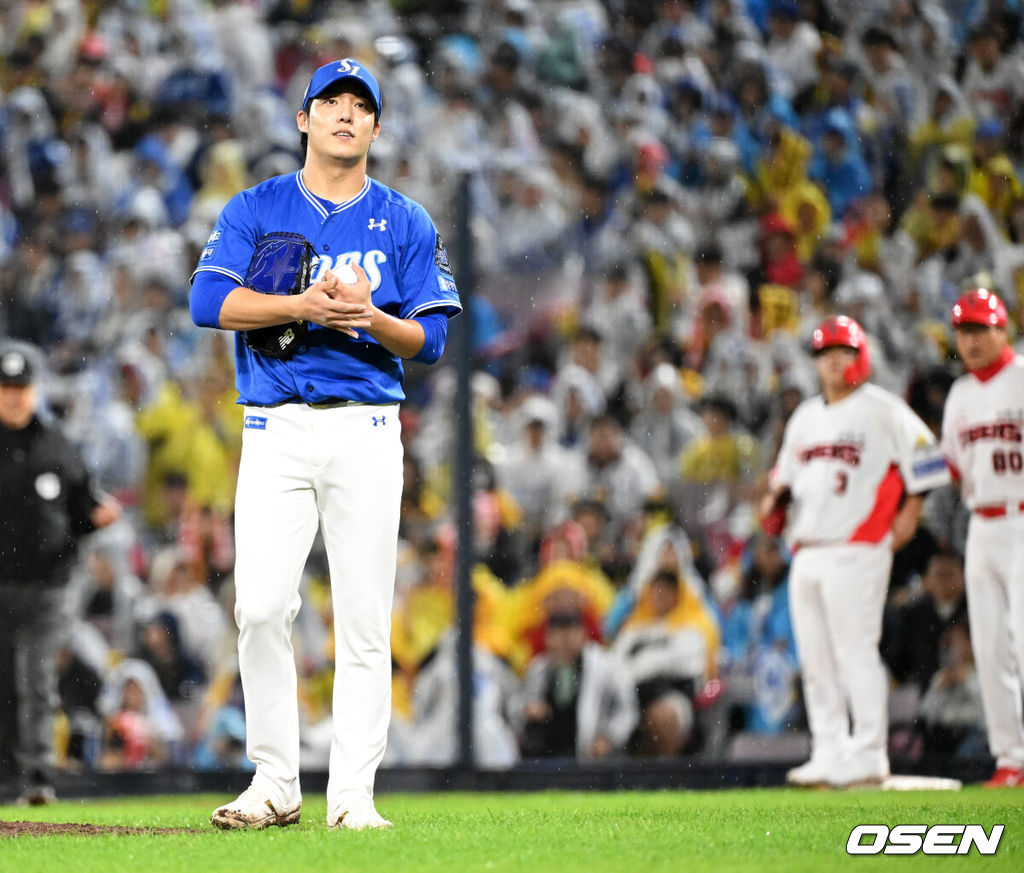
[847,465]
[983,438]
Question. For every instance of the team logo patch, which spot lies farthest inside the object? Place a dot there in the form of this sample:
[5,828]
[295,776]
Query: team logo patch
[255,422]
[48,486]
[441,256]
[447,285]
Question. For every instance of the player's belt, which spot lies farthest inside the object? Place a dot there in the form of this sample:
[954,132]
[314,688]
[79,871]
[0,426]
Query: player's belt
[337,404]
[999,510]
[334,403]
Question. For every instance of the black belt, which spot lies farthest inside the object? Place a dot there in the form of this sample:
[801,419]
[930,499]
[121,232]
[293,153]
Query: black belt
[333,403]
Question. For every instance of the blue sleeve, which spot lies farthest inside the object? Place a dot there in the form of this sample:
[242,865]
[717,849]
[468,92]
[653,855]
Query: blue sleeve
[229,249]
[426,277]
[207,297]
[435,332]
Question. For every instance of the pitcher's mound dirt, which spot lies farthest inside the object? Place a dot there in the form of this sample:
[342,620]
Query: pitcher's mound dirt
[46,829]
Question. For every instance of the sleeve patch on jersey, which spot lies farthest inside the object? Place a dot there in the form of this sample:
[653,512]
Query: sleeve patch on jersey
[928,466]
[447,285]
[441,256]
[211,245]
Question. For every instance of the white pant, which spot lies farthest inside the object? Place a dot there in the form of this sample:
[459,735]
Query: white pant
[342,469]
[836,597]
[994,569]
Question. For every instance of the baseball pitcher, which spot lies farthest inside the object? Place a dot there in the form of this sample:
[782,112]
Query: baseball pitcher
[330,279]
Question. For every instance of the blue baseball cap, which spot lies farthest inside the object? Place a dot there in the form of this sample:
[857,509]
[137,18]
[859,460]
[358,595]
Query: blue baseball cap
[337,71]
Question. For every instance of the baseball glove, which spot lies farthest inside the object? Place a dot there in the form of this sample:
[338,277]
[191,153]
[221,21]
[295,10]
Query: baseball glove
[773,522]
[281,264]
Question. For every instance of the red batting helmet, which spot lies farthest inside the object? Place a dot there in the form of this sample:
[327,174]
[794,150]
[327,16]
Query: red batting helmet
[979,306]
[841,330]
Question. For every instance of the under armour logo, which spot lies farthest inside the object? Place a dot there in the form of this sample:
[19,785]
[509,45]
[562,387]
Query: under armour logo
[377,225]
[377,421]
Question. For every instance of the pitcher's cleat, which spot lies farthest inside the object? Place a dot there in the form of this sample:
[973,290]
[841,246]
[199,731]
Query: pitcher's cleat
[359,816]
[252,811]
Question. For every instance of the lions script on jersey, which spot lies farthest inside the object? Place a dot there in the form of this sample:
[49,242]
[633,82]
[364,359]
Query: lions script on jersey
[390,236]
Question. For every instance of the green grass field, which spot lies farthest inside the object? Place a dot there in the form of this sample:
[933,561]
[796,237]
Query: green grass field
[758,830]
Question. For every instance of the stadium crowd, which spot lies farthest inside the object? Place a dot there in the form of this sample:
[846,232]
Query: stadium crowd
[667,197]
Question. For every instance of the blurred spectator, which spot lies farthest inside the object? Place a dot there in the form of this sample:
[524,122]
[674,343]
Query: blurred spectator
[949,122]
[665,657]
[433,733]
[619,311]
[896,88]
[838,165]
[536,471]
[563,583]
[950,712]
[616,471]
[221,743]
[665,548]
[912,628]
[792,46]
[141,729]
[576,701]
[588,352]
[993,81]
[106,593]
[179,675]
[717,473]
[180,593]
[82,664]
[665,425]
[760,669]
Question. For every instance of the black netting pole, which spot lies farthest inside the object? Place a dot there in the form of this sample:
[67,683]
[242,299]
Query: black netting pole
[462,486]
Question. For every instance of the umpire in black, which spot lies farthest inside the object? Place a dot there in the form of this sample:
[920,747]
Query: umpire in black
[46,505]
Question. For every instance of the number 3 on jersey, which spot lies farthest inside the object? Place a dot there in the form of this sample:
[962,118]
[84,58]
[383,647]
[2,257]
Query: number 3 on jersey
[842,480]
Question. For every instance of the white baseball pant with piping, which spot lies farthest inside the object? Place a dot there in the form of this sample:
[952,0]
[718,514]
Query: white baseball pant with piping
[994,571]
[341,469]
[837,596]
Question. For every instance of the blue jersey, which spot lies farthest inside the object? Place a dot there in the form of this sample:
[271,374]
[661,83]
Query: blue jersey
[390,236]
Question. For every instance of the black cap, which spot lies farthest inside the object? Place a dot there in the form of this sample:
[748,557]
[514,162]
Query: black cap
[15,367]
[565,618]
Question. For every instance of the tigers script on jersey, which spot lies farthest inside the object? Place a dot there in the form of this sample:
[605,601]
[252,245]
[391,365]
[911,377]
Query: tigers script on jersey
[982,429]
[849,463]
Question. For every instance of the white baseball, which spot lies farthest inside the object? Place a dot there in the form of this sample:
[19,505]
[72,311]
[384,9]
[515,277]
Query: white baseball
[346,275]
